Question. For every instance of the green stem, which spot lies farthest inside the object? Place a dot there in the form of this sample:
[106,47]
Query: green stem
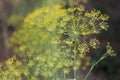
[92,67]
[64,76]
[75,74]
[75,46]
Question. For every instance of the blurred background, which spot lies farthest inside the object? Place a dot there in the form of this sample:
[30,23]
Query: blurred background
[12,13]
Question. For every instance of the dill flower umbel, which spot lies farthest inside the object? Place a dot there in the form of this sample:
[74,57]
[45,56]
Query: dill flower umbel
[83,48]
[110,51]
[94,43]
[22,47]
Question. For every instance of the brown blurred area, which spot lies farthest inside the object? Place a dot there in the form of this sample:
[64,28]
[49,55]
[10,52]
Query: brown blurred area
[5,32]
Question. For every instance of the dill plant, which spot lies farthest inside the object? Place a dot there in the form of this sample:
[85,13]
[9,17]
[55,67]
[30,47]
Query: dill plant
[53,41]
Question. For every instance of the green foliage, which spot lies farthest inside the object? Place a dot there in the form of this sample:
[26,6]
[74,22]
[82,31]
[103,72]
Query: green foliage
[51,38]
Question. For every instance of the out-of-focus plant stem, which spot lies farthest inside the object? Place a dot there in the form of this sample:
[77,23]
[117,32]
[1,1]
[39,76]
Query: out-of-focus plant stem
[5,31]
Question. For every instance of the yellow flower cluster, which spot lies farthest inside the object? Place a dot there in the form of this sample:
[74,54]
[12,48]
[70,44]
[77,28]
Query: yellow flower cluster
[110,51]
[83,48]
[48,21]
[22,47]
[94,43]
[12,69]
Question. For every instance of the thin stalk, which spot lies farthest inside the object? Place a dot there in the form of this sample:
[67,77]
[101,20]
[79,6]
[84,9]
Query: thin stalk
[65,76]
[75,73]
[92,67]
[75,46]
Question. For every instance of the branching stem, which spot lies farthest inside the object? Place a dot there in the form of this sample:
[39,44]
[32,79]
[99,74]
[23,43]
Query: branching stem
[92,67]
